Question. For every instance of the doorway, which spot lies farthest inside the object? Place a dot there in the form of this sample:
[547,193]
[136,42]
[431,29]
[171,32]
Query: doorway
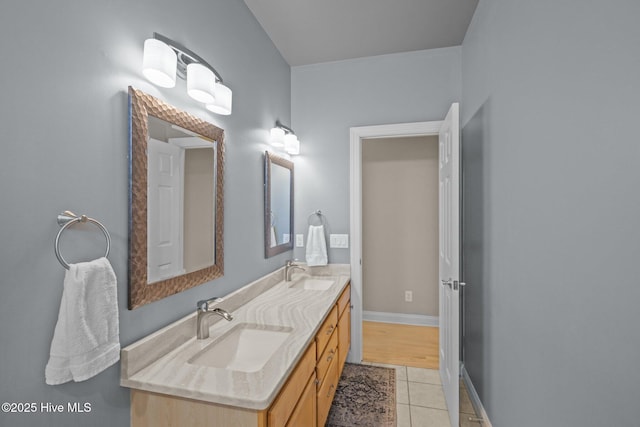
[400,250]
[358,136]
[448,132]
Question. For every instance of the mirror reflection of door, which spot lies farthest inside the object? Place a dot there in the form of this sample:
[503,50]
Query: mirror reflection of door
[180,203]
[164,193]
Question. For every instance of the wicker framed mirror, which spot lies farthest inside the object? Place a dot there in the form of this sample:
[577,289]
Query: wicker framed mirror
[176,200]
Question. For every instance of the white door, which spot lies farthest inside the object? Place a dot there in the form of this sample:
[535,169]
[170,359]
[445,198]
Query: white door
[449,254]
[164,221]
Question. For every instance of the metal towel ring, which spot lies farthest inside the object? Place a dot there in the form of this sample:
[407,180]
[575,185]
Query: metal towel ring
[66,219]
[317,213]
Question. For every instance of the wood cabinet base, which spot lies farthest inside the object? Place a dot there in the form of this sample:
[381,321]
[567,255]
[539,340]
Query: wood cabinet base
[158,410]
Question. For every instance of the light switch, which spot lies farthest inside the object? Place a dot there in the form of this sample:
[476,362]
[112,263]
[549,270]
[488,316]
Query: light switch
[340,241]
[299,240]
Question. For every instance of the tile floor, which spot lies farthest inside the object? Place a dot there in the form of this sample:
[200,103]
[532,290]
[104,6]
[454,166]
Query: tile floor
[420,399]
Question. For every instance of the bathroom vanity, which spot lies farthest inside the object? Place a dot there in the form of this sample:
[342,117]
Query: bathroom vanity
[277,363]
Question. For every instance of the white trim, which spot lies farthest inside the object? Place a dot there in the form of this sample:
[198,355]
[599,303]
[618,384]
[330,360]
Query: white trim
[356,136]
[475,399]
[401,318]
[398,130]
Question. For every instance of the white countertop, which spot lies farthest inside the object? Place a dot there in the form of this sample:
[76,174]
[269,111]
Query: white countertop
[159,362]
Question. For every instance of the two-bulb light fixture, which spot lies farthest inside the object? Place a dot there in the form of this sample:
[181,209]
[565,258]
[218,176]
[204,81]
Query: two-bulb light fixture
[283,138]
[164,59]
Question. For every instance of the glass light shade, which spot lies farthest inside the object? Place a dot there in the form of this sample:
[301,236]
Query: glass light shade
[222,102]
[200,83]
[291,144]
[159,63]
[277,137]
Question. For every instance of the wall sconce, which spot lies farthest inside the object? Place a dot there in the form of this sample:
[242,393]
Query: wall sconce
[164,59]
[284,137]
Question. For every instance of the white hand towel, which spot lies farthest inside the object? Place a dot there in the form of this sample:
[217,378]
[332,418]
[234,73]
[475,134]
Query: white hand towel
[316,246]
[86,338]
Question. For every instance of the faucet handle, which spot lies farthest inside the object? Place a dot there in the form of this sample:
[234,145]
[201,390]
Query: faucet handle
[203,305]
[291,262]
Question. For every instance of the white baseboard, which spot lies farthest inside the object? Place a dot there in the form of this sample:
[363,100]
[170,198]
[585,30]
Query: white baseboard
[475,399]
[405,319]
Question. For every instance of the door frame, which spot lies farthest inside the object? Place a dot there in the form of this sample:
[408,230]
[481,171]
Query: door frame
[357,137]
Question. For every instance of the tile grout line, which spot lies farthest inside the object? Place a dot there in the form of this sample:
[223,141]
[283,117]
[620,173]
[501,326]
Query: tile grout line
[406,376]
[409,397]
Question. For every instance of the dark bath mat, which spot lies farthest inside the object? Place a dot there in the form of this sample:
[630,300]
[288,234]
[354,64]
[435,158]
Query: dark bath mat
[366,396]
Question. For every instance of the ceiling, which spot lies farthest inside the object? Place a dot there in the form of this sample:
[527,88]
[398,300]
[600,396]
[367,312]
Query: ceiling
[313,31]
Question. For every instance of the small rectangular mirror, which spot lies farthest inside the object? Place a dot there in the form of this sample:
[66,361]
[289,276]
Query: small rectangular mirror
[278,204]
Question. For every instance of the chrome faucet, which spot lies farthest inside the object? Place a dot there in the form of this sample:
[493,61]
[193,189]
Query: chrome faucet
[289,266]
[204,312]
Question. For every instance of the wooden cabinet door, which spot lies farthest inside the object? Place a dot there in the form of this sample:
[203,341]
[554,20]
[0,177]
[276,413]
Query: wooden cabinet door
[305,413]
[284,405]
[344,337]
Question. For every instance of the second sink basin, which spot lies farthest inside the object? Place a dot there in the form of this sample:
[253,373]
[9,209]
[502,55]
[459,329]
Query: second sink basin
[314,283]
[246,347]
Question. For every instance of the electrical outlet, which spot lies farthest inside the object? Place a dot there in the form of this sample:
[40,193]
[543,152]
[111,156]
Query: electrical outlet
[339,241]
[299,240]
[408,296]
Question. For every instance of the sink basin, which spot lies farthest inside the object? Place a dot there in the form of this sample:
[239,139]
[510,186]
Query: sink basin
[246,347]
[314,283]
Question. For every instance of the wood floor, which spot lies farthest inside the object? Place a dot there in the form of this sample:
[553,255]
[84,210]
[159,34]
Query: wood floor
[395,344]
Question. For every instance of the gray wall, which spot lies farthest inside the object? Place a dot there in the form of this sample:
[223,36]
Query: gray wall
[63,109]
[551,224]
[329,98]
[400,225]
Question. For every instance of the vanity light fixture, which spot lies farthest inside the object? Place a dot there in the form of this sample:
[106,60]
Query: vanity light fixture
[164,59]
[159,63]
[291,144]
[223,99]
[284,137]
[277,137]
[200,83]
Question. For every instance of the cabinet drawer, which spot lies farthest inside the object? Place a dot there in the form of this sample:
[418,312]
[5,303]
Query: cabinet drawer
[344,300]
[325,331]
[330,353]
[286,401]
[327,391]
